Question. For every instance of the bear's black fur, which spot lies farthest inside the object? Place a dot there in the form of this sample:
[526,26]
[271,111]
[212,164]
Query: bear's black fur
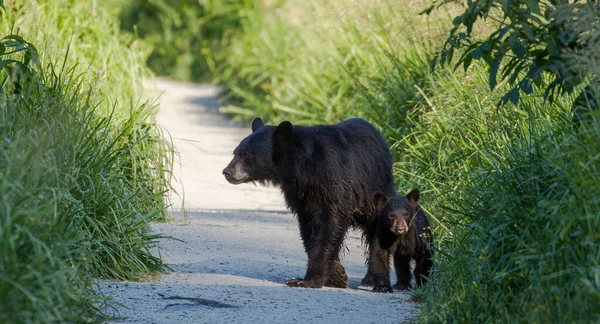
[327,174]
[405,231]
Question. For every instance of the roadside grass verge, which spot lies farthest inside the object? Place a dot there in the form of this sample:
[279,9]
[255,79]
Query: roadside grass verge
[83,166]
[516,238]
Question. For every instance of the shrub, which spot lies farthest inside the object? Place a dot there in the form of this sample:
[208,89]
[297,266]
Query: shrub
[532,38]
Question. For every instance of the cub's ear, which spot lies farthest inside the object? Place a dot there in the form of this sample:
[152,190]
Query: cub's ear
[413,196]
[379,199]
[256,124]
[283,133]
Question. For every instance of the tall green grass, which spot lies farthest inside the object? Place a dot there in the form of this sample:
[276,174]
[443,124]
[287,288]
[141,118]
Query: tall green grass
[105,58]
[513,245]
[83,166]
[285,66]
[512,190]
[183,35]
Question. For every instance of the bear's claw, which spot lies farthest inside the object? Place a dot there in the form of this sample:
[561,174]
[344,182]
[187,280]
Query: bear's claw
[383,289]
[294,282]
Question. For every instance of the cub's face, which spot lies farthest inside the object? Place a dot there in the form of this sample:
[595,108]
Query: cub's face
[396,213]
[253,157]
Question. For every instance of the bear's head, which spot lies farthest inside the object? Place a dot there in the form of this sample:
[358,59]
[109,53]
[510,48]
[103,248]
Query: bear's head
[396,213]
[254,159]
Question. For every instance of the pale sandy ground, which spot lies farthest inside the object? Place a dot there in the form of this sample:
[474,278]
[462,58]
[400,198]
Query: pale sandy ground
[237,244]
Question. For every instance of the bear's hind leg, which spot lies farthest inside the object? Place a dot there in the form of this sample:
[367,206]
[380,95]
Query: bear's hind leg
[336,275]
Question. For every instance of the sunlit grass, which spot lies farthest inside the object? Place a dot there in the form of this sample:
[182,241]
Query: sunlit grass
[83,165]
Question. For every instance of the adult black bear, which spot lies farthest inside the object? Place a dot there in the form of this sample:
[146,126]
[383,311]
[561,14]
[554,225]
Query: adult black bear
[405,231]
[327,174]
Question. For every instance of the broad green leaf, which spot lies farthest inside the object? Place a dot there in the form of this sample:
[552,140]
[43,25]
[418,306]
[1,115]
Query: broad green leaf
[467,61]
[518,48]
[457,21]
[533,5]
[506,6]
[528,30]
[526,86]
[514,95]
[486,46]
[552,48]
[493,72]
[433,62]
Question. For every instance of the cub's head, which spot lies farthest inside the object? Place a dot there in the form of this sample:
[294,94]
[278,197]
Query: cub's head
[396,213]
[254,159]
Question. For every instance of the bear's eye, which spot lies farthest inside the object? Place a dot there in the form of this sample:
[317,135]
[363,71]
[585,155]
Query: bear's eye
[244,155]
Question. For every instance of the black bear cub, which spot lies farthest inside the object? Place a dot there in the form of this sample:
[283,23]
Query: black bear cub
[405,231]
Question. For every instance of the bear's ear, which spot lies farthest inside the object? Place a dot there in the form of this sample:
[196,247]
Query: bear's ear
[413,196]
[256,124]
[283,133]
[379,199]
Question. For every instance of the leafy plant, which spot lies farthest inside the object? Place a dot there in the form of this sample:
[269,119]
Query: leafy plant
[528,41]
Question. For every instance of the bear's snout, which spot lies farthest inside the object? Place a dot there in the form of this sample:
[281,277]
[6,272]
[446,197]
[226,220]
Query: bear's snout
[234,173]
[229,174]
[399,226]
[400,231]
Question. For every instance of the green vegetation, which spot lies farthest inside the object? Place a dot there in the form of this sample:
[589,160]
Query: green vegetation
[533,38]
[513,189]
[83,166]
[184,35]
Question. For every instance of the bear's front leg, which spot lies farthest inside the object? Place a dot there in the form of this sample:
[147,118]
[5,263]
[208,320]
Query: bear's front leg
[402,265]
[322,244]
[336,276]
[316,273]
[379,267]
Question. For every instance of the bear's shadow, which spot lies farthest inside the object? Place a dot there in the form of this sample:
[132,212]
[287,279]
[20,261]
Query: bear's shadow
[260,270]
[256,269]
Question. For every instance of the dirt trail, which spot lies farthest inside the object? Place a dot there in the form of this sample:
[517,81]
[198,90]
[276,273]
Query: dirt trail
[238,243]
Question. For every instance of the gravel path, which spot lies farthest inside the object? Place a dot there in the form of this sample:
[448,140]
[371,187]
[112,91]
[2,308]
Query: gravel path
[237,244]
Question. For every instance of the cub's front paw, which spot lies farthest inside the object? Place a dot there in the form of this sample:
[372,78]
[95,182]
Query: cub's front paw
[383,289]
